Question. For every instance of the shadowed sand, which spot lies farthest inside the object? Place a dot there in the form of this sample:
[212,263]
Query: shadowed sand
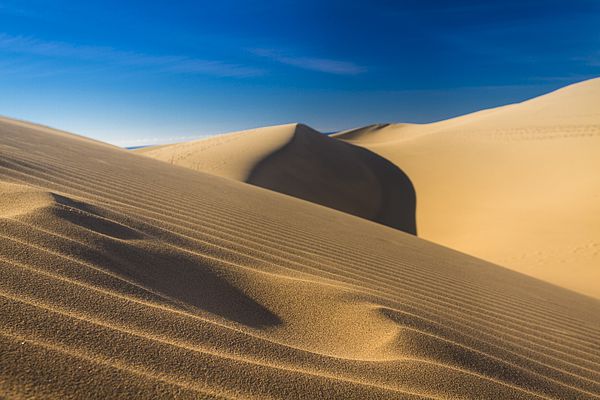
[516,185]
[298,161]
[125,277]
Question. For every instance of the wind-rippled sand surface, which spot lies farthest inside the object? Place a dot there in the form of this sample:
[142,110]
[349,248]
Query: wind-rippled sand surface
[126,277]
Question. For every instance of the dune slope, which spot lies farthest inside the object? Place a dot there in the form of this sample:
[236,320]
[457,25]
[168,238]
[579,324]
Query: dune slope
[125,277]
[298,161]
[516,185]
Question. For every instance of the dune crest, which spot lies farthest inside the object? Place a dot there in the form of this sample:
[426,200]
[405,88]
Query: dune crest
[122,276]
[515,185]
[298,161]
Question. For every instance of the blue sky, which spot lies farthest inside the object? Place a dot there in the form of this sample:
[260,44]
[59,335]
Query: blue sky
[145,72]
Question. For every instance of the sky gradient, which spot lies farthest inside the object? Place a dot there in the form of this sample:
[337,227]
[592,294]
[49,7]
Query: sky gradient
[137,72]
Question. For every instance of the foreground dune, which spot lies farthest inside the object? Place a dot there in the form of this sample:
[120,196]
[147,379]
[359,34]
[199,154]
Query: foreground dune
[516,185]
[125,277]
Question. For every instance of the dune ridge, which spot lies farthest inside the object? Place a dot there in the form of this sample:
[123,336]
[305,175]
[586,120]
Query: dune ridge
[296,160]
[124,277]
[515,185]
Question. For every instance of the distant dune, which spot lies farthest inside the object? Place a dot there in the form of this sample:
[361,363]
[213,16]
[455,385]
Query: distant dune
[515,185]
[125,277]
[298,161]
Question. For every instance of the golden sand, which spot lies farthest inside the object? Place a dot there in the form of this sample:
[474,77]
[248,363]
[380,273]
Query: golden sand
[515,185]
[298,161]
[127,277]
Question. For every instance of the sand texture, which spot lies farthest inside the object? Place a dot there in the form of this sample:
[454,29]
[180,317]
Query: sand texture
[127,277]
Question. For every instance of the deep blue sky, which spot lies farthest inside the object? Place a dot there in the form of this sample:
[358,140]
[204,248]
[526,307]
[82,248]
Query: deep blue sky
[144,72]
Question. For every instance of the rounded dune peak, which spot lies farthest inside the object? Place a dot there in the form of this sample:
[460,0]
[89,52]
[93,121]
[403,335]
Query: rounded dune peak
[299,161]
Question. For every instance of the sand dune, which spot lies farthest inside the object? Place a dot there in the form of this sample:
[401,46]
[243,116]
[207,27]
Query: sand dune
[513,185]
[126,277]
[298,161]
[516,185]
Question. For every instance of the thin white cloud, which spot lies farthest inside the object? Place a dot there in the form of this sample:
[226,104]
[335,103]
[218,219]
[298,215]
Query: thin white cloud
[36,69]
[314,64]
[592,60]
[109,55]
[565,78]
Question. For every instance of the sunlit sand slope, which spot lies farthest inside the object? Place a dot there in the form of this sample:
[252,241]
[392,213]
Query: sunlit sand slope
[517,185]
[233,155]
[125,277]
[298,161]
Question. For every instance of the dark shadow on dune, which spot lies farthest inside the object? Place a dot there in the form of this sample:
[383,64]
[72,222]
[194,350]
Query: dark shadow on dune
[165,273]
[89,217]
[425,339]
[342,176]
[192,282]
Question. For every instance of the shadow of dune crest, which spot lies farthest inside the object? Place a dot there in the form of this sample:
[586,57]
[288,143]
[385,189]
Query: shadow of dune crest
[339,175]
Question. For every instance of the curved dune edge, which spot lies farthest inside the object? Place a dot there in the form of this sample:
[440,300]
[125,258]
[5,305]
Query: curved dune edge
[298,161]
[516,185]
[125,277]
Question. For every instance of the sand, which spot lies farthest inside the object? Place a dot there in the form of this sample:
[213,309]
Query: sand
[515,185]
[296,160]
[127,277]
